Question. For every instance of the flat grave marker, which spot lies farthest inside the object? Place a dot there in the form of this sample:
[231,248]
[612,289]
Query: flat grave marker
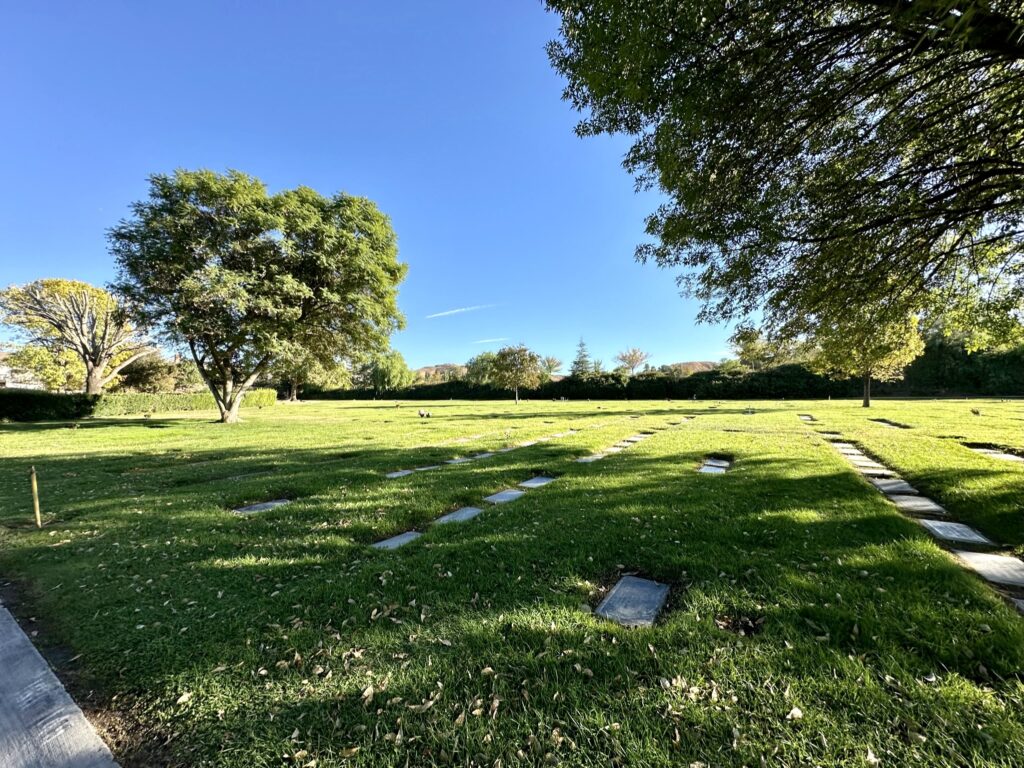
[589,459]
[893,486]
[536,482]
[713,462]
[263,506]
[875,471]
[707,469]
[999,569]
[958,532]
[398,473]
[995,453]
[459,515]
[503,497]
[397,541]
[427,469]
[918,505]
[634,602]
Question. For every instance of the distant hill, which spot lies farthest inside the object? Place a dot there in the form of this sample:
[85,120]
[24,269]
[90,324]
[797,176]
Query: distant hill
[433,374]
[685,369]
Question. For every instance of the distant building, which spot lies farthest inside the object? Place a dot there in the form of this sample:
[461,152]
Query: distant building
[10,379]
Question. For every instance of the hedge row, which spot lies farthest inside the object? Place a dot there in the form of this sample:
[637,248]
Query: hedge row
[34,405]
[944,369]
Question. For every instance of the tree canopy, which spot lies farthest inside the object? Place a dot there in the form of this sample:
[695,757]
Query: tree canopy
[632,359]
[819,155]
[69,317]
[242,277]
[859,345]
[515,368]
[385,372]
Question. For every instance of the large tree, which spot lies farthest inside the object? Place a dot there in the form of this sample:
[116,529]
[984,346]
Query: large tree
[859,345]
[69,317]
[385,372]
[632,359]
[241,277]
[516,368]
[786,135]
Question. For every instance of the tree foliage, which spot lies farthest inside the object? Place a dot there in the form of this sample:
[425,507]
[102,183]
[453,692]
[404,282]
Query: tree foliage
[858,345]
[385,373]
[550,365]
[479,369]
[59,370]
[516,368]
[789,135]
[242,277]
[69,317]
[582,365]
[301,367]
[632,359]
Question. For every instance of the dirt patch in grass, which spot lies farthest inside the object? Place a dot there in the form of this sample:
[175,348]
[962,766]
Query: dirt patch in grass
[741,624]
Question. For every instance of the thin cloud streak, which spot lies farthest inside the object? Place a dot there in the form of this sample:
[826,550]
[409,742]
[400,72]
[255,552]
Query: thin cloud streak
[488,341]
[460,310]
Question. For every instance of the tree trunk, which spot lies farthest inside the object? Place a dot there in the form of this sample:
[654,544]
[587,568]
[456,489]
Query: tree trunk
[867,390]
[94,381]
[293,391]
[230,415]
[516,389]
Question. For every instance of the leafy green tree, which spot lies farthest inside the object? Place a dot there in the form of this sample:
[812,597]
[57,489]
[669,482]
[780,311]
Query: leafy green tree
[242,277]
[150,374]
[58,370]
[632,359]
[300,367]
[787,134]
[581,364]
[596,366]
[857,345]
[71,317]
[516,367]
[385,373]
[480,369]
[985,310]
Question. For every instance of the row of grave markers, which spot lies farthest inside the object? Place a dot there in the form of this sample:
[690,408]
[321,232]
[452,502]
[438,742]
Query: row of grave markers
[1000,570]
[264,506]
[501,497]
[632,601]
[478,456]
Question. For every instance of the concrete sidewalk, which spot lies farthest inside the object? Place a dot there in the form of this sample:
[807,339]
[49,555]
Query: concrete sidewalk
[40,726]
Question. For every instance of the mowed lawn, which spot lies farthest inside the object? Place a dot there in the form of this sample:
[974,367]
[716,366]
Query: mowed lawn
[809,622]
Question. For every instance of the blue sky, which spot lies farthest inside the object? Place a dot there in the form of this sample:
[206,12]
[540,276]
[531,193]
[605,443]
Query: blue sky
[447,114]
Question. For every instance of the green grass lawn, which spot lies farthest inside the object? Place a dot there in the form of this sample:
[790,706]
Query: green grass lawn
[284,639]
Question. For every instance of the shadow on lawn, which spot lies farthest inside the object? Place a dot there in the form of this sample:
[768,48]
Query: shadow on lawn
[779,538]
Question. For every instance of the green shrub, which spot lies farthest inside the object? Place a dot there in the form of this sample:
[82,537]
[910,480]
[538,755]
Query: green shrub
[36,405]
[128,403]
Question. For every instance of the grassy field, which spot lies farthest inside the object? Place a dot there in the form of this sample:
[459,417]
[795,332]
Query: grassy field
[809,622]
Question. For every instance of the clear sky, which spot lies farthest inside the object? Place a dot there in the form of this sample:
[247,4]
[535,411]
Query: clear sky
[446,114]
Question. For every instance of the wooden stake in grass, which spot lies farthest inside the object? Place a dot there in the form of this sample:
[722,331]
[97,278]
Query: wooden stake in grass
[35,496]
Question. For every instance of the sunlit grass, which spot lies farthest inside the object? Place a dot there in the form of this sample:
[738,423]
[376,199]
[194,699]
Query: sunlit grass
[286,639]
